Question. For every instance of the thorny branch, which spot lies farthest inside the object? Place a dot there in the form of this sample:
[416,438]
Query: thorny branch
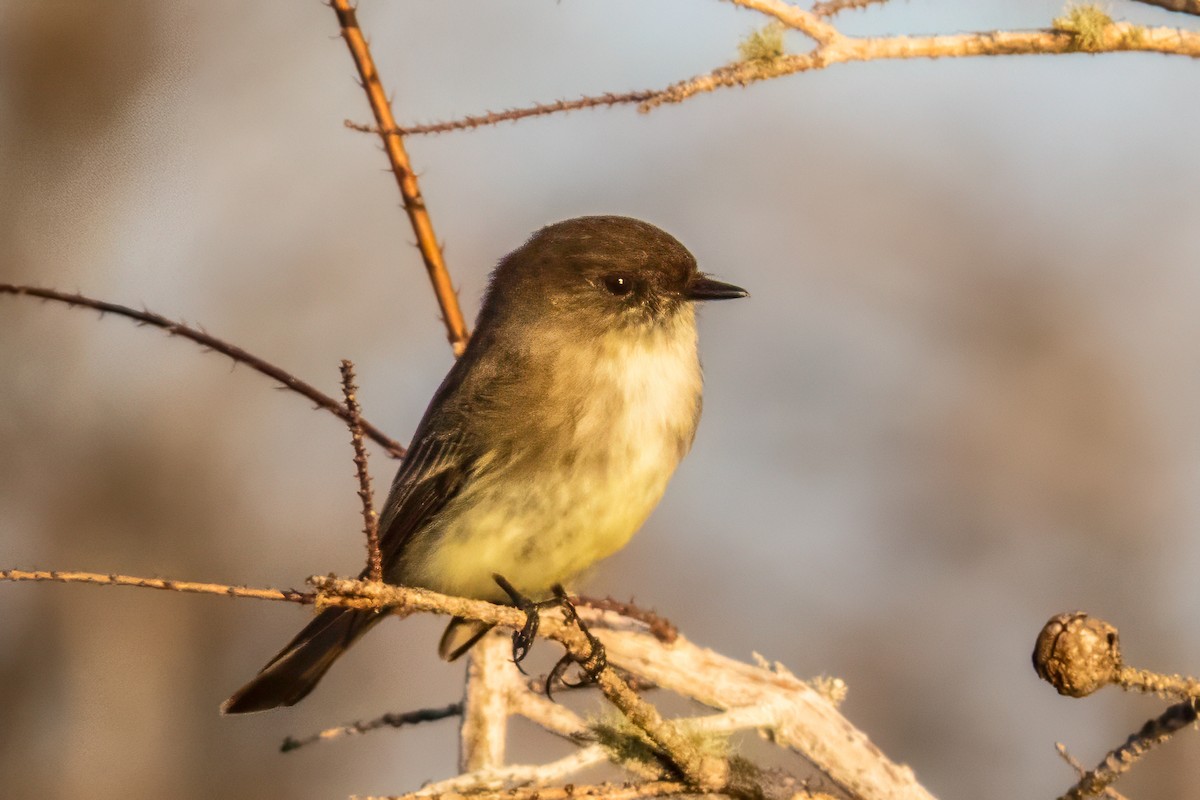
[1120,760]
[1102,35]
[211,342]
[370,516]
[406,178]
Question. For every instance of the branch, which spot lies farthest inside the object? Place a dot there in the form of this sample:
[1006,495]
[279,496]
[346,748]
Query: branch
[385,721]
[370,516]
[1120,760]
[834,47]
[604,791]
[1115,37]
[406,179]
[1182,6]
[834,7]
[512,114]
[64,576]
[204,339]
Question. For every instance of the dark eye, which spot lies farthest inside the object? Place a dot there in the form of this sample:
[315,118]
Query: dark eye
[618,284]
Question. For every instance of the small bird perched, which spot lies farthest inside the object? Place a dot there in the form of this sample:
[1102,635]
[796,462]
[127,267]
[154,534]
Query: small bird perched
[548,443]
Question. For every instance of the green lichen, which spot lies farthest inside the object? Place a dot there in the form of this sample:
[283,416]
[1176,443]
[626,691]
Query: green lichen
[627,745]
[763,45]
[1087,25]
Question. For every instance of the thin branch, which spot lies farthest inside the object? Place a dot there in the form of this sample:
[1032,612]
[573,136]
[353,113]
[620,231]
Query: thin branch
[835,47]
[512,114]
[370,515]
[204,339]
[406,179]
[807,22]
[64,576]
[1182,6]
[1120,760]
[484,731]
[385,721]
[1144,680]
[662,628]
[608,791]
[834,7]
[1116,37]
[1081,770]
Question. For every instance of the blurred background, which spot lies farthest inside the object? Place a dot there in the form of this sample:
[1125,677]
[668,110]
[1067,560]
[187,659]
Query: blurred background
[962,397]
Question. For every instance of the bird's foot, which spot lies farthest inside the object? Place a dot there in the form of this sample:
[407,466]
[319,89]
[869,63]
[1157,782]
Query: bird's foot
[592,665]
[523,638]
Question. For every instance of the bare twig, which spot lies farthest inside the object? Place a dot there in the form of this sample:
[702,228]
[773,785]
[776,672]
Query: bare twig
[1120,760]
[833,7]
[608,791]
[1081,770]
[1115,37]
[660,626]
[795,17]
[513,114]
[1182,6]
[406,179]
[484,731]
[1144,680]
[366,726]
[834,47]
[370,515]
[166,584]
[211,342]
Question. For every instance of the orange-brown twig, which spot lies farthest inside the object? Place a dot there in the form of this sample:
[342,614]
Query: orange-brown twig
[67,576]
[410,190]
[370,516]
[204,339]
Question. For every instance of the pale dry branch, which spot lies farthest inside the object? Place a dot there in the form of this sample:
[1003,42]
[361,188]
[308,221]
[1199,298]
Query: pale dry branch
[834,7]
[1081,770]
[359,727]
[484,729]
[795,17]
[207,340]
[834,47]
[1143,680]
[370,515]
[406,178]
[165,584]
[1182,6]
[1120,760]
[1116,37]
[607,791]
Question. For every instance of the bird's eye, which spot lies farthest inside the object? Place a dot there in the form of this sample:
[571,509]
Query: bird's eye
[618,284]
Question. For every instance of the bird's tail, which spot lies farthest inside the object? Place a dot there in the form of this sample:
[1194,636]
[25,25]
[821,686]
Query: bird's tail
[292,674]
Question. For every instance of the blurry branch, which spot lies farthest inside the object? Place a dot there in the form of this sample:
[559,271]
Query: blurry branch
[406,179]
[1081,770]
[1082,29]
[833,7]
[385,721]
[370,516]
[66,576]
[1182,6]
[790,712]
[1077,654]
[210,342]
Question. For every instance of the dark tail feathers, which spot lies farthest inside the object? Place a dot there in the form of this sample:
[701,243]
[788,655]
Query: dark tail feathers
[293,673]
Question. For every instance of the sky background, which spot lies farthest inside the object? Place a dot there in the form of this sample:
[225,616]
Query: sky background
[962,397]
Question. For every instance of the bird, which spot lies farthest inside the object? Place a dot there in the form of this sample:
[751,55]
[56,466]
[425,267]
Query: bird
[548,443]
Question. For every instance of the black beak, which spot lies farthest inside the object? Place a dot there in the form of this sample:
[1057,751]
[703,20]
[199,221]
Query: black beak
[704,288]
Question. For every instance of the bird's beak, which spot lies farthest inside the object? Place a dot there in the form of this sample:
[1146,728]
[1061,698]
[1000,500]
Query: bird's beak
[705,288]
